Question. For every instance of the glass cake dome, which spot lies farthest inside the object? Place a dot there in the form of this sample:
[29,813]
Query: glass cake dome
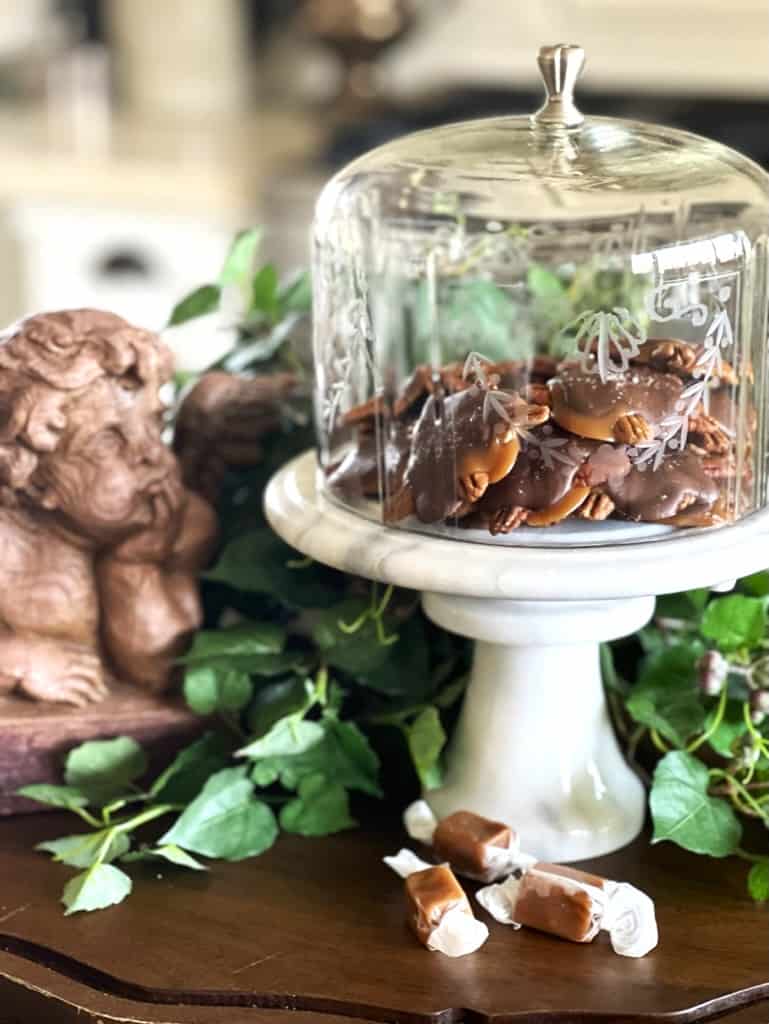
[544,330]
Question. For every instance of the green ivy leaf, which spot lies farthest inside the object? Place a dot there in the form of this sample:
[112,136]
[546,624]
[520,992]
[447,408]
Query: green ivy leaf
[208,689]
[172,854]
[289,697]
[756,585]
[264,292]
[296,295]
[224,820]
[81,851]
[241,259]
[344,755]
[687,605]
[735,621]
[683,812]
[259,562]
[666,697]
[243,641]
[67,797]
[320,808]
[105,768]
[100,886]
[183,779]
[406,668]
[286,738]
[731,726]
[544,284]
[203,300]
[360,653]
[758,881]
[426,739]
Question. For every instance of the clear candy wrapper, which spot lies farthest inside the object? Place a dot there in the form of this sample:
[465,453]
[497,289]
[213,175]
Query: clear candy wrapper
[438,909]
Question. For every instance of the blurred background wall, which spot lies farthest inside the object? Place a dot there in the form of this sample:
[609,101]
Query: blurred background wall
[137,135]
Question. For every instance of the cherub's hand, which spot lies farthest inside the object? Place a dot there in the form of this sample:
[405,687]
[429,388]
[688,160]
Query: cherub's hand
[154,544]
[63,673]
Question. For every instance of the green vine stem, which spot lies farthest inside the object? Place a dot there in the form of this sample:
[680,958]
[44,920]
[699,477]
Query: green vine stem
[713,727]
[742,798]
[88,818]
[752,858]
[374,613]
[658,742]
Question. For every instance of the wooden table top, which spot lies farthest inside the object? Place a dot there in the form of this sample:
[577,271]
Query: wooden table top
[313,933]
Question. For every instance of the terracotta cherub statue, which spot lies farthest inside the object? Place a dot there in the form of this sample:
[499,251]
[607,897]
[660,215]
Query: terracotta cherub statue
[100,541]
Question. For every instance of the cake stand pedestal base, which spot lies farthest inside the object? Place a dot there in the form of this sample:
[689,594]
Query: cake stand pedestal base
[534,745]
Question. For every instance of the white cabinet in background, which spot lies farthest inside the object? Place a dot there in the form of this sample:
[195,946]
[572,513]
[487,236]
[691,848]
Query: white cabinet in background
[135,264]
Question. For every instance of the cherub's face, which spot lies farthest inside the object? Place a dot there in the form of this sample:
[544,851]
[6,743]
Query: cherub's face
[111,475]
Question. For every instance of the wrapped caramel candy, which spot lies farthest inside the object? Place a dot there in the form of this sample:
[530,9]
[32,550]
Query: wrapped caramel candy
[439,912]
[574,905]
[474,846]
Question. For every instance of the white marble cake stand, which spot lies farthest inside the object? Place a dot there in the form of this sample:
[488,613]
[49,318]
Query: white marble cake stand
[534,746]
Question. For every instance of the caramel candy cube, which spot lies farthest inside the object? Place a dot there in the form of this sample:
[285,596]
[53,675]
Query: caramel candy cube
[431,894]
[559,905]
[468,840]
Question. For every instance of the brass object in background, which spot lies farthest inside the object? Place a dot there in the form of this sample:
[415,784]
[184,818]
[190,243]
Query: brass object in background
[358,32]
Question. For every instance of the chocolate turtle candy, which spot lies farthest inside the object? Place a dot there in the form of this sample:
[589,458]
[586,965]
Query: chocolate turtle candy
[554,475]
[627,408]
[461,445]
[679,492]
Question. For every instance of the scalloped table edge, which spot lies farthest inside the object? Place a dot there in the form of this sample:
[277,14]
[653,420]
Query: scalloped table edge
[47,979]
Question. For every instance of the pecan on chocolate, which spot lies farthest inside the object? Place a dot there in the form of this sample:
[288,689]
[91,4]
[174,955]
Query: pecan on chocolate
[398,505]
[426,380]
[670,355]
[707,436]
[474,485]
[537,414]
[596,507]
[360,414]
[720,467]
[507,518]
[542,368]
[537,394]
[633,429]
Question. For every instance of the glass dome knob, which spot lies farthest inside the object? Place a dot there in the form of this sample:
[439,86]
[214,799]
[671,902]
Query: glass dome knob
[560,67]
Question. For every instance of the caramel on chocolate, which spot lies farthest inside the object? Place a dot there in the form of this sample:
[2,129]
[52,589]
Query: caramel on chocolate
[550,487]
[584,404]
[460,446]
[431,894]
[464,839]
[657,495]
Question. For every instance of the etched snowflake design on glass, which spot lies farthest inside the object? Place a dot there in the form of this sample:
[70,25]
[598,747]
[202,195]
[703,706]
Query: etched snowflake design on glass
[349,357]
[548,447]
[673,430]
[606,341]
[507,407]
